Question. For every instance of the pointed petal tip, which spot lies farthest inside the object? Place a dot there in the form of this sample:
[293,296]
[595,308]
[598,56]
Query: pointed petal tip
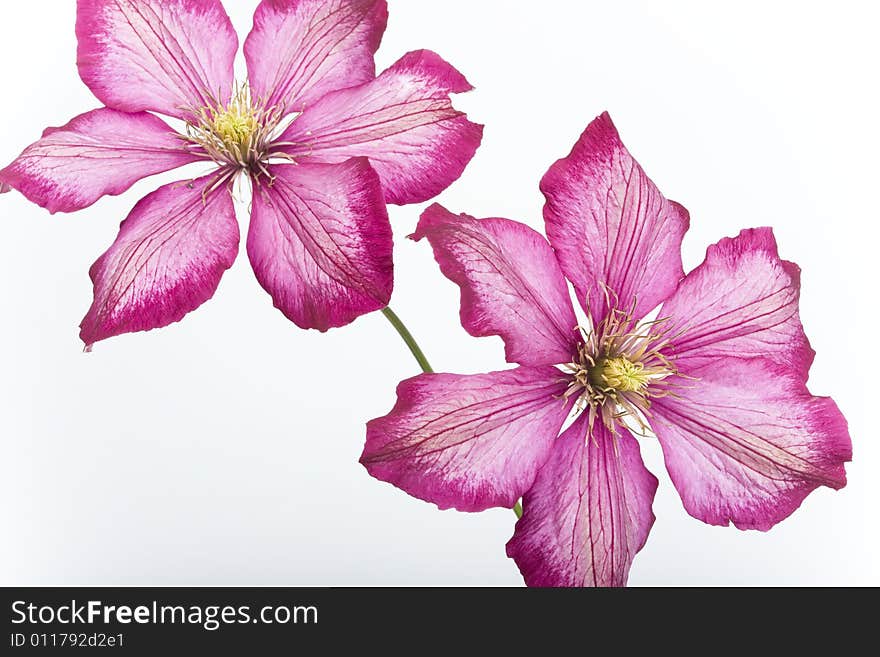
[430,216]
[438,214]
[600,135]
[85,335]
[433,209]
[436,68]
[684,214]
[604,118]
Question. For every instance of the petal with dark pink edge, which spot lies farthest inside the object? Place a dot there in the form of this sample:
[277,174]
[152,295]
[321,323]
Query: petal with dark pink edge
[4,187]
[511,284]
[98,153]
[403,121]
[320,242]
[744,443]
[169,257]
[468,442]
[588,513]
[299,50]
[741,302]
[168,56]
[611,227]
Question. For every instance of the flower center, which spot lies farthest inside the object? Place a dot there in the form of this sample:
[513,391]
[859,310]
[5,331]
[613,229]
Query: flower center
[240,134]
[619,368]
[235,126]
[619,374]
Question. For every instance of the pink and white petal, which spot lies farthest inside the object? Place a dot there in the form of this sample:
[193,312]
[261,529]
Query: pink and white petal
[746,444]
[511,284]
[403,121]
[610,225]
[300,50]
[102,152]
[321,244]
[167,56]
[167,261]
[468,442]
[741,302]
[588,513]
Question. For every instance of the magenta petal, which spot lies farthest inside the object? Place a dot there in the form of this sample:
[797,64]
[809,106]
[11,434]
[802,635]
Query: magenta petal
[167,56]
[403,121]
[167,261]
[98,153]
[511,284]
[468,442]
[4,187]
[741,302]
[744,443]
[299,50]
[611,226]
[320,242]
[588,513]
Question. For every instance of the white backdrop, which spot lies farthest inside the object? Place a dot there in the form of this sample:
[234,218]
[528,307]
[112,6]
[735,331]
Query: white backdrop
[223,450]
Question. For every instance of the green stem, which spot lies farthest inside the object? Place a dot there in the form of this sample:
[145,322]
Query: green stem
[408,338]
[419,355]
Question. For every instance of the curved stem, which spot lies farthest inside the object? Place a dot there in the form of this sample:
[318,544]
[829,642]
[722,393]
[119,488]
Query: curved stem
[408,338]
[419,355]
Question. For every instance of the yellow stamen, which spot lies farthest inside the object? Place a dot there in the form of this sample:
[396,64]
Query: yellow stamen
[234,126]
[620,374]
[619,368]
[241,133]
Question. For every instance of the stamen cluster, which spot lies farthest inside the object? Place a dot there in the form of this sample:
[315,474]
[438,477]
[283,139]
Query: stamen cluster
[620,366]
[239,135]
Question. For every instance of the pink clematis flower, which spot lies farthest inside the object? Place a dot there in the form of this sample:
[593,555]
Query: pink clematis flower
[719,379]
[323,140]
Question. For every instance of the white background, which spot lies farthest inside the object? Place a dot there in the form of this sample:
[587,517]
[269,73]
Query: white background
[223,450]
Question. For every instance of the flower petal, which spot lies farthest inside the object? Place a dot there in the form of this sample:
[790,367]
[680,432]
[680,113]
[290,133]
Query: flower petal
[169,257]
[611,226]
[511,284]
[98,153]
[299,50]
[741,302]
[468,442]
[588,513]
[744,443]
[321,244]
[403,121]
[168,56]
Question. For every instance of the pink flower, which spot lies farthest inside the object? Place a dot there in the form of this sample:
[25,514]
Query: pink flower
[323,140]
[720,378]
